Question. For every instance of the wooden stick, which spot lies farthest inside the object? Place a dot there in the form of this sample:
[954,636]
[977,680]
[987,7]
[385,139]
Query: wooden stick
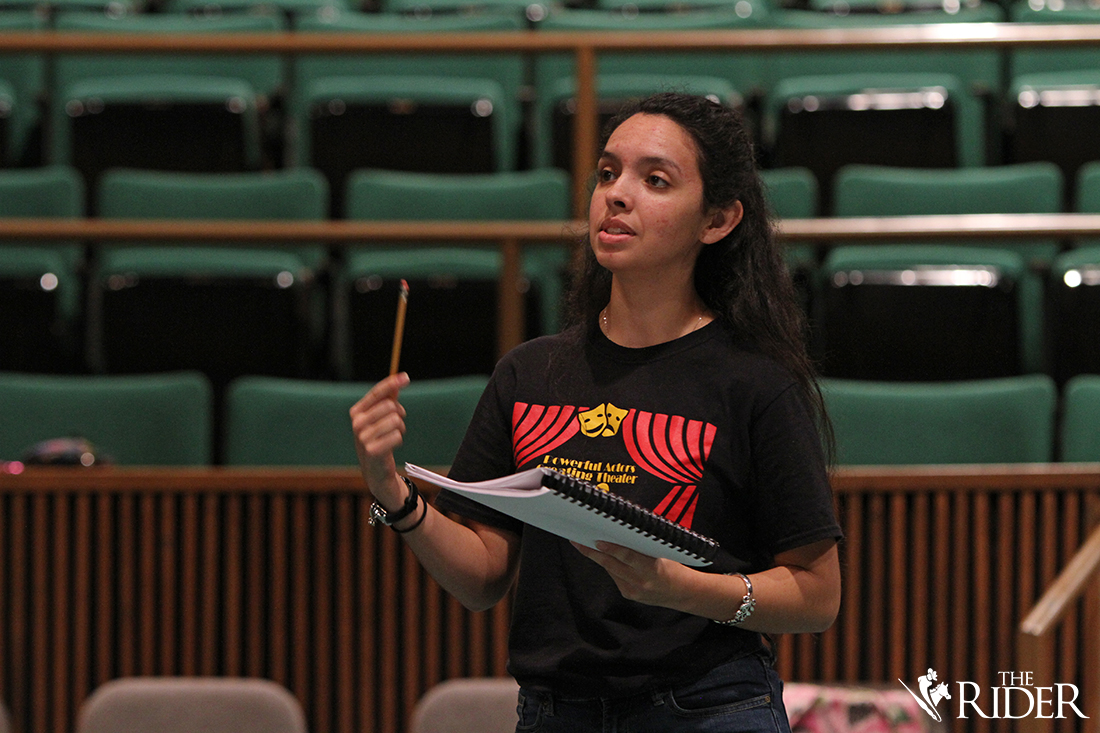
[399,327]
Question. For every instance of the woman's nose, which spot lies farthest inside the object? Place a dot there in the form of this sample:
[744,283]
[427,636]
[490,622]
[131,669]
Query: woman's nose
[618,195]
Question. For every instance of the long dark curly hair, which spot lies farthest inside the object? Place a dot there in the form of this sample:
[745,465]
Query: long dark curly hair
[742,279]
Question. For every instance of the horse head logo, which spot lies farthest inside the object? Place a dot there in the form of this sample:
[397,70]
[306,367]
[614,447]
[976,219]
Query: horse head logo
[930,693]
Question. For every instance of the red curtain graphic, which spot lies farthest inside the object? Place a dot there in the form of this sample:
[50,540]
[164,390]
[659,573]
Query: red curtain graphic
[538,429]
[674,449]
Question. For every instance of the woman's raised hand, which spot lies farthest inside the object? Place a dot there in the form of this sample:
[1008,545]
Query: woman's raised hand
[378,423]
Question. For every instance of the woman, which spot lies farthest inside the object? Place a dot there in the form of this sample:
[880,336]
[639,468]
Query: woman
[683,385]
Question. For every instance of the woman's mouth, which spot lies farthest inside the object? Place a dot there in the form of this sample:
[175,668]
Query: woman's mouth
[614,232]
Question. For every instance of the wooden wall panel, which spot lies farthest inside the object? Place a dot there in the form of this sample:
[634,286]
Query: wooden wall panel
[277,574]
[941,575]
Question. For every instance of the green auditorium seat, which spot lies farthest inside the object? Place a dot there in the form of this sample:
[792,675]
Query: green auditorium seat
[1087,185]
[631,7]
[792,193]
[873,8]
[1054,94]
[1080,426]
[927,313]
[1008,420]
[22,82]
[529,9]
[430,112]
[936,310]
[1032,58]
[451,323]
[177,112]
[1073,318]
[726,76]
[301,422]
[827,109]
[221,309]
[40,283]
[162,419]
[979,69]
[290,9]
[1031,188]
[50,8]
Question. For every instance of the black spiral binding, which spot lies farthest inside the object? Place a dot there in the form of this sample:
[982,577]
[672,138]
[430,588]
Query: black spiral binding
[631,515]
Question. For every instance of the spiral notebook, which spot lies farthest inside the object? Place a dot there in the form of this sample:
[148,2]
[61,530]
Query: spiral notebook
[579,511]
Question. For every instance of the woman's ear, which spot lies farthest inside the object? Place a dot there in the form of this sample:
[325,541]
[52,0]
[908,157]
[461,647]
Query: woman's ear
[722,223]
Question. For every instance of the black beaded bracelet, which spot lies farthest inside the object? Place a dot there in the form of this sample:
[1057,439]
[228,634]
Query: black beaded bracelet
[417,523]
[379,515]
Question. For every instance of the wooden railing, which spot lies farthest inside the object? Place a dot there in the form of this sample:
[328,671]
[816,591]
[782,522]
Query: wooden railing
[511,236]
[1076,584]
[276,574]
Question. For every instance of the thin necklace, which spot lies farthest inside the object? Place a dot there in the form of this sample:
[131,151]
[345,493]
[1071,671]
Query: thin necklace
[603,322]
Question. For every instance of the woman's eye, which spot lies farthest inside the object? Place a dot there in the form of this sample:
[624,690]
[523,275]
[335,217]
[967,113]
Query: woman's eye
[605,175]
[656,180]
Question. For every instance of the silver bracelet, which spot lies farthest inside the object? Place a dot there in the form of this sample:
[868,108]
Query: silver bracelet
[748,604]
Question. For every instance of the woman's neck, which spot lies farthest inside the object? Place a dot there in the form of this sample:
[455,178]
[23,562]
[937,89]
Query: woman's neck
[638,319]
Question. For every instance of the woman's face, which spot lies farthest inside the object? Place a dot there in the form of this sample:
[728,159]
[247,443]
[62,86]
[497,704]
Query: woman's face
[647,211]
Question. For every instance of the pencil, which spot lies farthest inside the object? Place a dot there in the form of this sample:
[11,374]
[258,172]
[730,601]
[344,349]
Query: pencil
[399,327]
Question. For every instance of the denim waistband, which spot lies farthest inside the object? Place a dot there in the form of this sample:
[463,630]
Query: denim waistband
[745,665]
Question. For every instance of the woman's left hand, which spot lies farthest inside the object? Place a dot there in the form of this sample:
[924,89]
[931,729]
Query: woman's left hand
[800,593]
[650,580]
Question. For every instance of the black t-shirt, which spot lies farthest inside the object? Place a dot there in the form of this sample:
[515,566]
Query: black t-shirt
[703,432]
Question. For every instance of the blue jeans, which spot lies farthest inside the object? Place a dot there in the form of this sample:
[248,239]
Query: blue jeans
[742,696]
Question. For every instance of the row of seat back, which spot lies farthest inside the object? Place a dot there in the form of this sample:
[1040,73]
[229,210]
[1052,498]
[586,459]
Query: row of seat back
[193,305]
[166,419]
[462,112]
[488,705]
[253,705]
[533,10]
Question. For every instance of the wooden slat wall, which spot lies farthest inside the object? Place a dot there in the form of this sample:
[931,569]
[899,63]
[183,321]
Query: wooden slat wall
[278,575]
[938,573]
[295,587]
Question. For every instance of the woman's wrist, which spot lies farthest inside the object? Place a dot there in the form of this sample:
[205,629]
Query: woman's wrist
[394,515]
[390,492]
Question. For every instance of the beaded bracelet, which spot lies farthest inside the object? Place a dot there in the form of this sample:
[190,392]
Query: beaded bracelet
[417,523]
